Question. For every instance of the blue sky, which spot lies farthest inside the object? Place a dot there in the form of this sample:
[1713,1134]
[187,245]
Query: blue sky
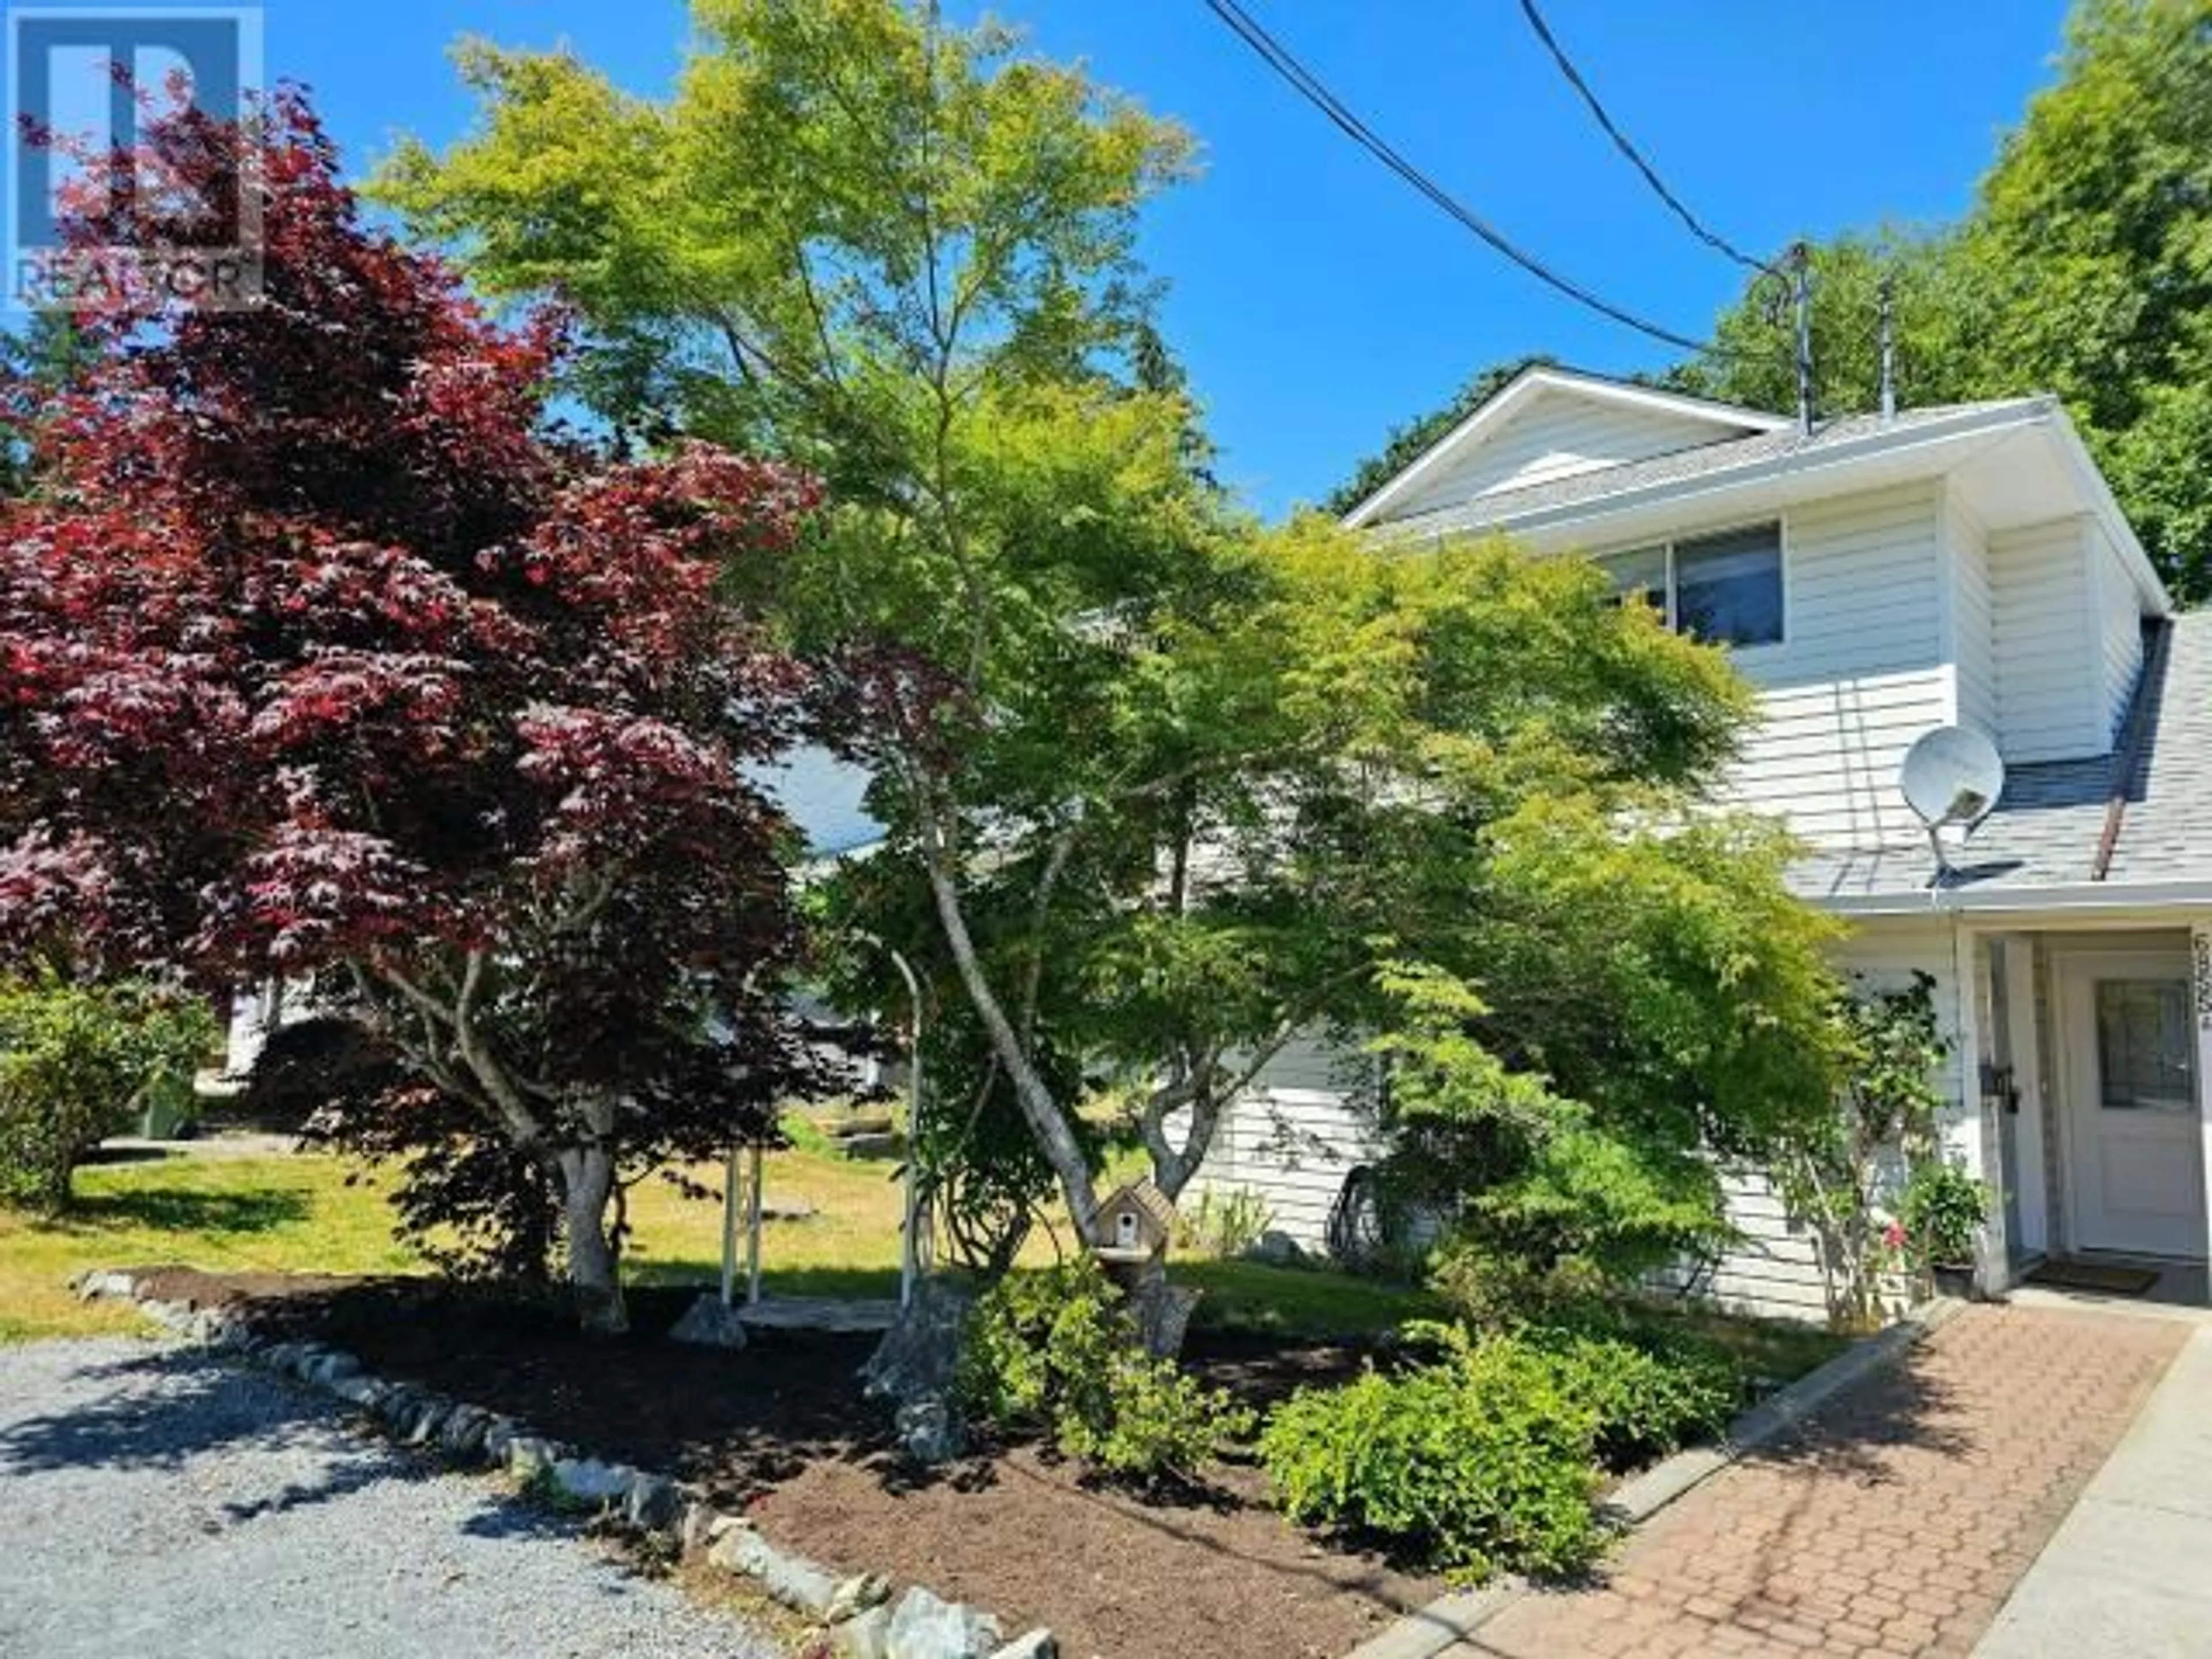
[1315,299]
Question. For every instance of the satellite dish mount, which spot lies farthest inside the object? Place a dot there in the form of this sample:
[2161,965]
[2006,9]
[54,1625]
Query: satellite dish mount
[1951,775]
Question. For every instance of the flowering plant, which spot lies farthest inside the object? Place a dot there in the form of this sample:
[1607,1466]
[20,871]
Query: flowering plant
[1941,1213]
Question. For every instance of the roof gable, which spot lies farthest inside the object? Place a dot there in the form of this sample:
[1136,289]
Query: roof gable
[1550,423]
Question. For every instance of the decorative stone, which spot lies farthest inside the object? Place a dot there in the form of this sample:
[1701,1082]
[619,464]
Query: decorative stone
[499,1434]
[697,1530]
[855,1595]
[462,1436]
[1276,1249]
[867,1637]
[651,1502]
[926,1626]
[919,1355]
[428,1421]
[398,1407]
[732,1547]
[588,1481]
[793,1580]
[707,1324]
[363,1391]
[930,1431]
[529,1457]
[1037,1644]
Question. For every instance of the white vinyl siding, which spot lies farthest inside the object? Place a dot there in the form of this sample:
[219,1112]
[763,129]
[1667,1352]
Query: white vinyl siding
[1291,1141]
[1555,437]
[1972,617]
[1860,673]
[1776,1271]
[2119,631]
[2049,706]
[1773,1273]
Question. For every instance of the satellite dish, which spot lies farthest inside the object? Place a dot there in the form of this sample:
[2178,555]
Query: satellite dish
[1951,775]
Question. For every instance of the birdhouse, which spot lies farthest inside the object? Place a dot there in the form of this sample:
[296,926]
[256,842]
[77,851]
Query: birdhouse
[1134,1225]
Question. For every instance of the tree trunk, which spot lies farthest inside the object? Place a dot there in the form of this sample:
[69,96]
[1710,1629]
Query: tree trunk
[587,1183]
[1055,1136]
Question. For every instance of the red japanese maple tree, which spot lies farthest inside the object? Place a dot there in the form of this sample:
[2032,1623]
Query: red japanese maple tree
[319,657]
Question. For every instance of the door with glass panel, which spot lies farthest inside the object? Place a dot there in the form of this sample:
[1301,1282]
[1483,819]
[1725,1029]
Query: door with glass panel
[2135,1181]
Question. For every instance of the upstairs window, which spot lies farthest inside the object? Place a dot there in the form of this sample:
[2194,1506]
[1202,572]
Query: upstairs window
[1723,589]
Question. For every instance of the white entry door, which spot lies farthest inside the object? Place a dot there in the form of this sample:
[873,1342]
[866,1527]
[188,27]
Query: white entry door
[2136,1176]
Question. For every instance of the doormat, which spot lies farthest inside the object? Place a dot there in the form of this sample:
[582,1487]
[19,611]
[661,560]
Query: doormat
[2112,1280]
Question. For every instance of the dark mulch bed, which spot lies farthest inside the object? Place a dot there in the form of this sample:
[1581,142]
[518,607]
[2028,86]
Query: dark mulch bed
[780,1429]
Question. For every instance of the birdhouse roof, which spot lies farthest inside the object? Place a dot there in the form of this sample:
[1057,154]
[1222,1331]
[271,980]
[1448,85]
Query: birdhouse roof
[1144,1196]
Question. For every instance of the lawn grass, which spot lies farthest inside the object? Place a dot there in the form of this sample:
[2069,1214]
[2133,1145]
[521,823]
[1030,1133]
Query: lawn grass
[1251,1296]
[1775,1350]
[312,1213]
[315,1213]
[281,1214]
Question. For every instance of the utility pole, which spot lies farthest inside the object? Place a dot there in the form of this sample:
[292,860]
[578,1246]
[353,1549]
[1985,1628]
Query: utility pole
[1889,292]
[1801,285]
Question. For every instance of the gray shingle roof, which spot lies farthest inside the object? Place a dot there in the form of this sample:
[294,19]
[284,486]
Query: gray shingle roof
[2048,823]
[1678,466]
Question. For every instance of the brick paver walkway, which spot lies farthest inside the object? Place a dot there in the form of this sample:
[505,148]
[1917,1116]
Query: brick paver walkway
[1893,1525]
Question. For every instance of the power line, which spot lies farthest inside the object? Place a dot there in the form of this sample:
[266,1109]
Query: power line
[1705,233]
[1311,86]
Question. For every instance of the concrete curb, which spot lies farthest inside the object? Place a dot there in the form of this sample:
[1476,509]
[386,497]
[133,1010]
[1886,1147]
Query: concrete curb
[1456,1617]
[856,1610]
[1429,1631]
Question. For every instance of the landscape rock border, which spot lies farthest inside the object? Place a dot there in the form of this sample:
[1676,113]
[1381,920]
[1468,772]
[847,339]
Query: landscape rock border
[857,1612]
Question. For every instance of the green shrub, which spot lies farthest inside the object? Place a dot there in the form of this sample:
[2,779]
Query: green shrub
[1478,1464]
[76,1062]
[1225,1223]
[1942,1210]
[1486,1460]
[1644,1401]
[1056,1352]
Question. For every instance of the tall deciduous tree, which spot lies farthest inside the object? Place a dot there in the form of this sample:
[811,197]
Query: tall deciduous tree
[320,658]
[1161,793]
[901,253]
[2081,270]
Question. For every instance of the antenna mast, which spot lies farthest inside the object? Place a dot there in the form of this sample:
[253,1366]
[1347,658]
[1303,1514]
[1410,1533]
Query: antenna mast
[1801,285]
[1888,347]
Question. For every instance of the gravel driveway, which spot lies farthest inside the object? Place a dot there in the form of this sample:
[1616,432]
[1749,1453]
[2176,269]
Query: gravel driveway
[156,1501]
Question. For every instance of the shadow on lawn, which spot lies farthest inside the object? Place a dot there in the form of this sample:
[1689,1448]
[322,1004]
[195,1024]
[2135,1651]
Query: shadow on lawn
[260,1210]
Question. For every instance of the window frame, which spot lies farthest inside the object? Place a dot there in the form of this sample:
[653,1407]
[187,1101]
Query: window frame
[1666,545]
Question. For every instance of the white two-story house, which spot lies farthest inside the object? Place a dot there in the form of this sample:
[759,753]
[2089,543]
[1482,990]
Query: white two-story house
[1874,579]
